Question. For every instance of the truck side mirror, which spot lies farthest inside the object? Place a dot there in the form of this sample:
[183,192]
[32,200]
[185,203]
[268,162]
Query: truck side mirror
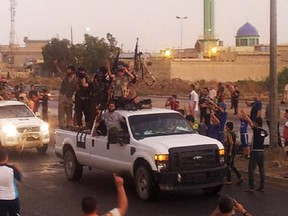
[115,136]
[124,137]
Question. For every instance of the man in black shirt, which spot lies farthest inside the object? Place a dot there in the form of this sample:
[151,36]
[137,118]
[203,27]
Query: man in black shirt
[204,107]
[257,152]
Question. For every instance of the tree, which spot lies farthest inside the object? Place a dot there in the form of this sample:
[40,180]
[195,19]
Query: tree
[92,53]
[56,50]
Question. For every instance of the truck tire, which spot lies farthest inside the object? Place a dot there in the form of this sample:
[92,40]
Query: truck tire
[73,169]
[43,149]
[144,183]
[212,190]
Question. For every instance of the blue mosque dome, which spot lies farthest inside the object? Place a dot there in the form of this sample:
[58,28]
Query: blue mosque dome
[247,35]
[247,30]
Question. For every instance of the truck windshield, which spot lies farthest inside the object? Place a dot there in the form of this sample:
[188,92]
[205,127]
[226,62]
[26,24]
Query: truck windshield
[15,111]
[143,126]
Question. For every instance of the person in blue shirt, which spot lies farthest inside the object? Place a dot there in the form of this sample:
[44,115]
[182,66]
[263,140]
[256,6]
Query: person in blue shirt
[214,127]
[221,114]
[256,107]
[244,135]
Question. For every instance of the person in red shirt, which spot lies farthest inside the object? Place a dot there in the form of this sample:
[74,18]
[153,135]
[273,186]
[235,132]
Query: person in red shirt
[172,102]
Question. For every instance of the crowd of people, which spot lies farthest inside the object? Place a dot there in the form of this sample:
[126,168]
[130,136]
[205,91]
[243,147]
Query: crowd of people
[207,113]
[116,84]
[30,96]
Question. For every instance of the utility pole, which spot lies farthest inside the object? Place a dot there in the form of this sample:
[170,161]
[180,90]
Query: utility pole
[273,101]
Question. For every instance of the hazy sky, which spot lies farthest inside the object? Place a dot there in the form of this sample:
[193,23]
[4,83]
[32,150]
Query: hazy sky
[153,21]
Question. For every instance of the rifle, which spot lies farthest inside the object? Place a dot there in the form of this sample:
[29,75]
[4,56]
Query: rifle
[141,68]
[97,120]
[116,61]
[137,57]
[147,75]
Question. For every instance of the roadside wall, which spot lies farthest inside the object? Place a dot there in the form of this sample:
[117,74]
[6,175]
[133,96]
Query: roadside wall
[244,68]
[219,71]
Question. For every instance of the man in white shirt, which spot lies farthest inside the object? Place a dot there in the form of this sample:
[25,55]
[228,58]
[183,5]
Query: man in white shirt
[193,102]
[9,197]
[212,94]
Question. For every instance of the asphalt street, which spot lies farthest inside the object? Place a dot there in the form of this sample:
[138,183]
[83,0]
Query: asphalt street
[45,191]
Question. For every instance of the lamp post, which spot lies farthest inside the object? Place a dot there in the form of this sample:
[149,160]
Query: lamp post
[181,23]
[273,102]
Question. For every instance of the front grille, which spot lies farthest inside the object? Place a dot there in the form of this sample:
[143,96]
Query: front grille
[28,129]
[193,157]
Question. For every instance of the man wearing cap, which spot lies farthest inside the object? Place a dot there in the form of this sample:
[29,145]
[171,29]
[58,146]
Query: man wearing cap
[65,102]
[120,85]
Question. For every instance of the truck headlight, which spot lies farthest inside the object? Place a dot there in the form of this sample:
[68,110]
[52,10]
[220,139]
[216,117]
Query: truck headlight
[222,156]
[9,130]
[44,127]
[161,161]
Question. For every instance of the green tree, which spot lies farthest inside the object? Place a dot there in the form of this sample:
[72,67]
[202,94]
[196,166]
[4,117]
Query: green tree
[56,50]
[282,79]
[91,54]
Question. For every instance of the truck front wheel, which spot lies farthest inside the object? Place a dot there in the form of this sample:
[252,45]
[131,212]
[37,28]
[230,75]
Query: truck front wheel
[72,167]
[43,149]
[144,183]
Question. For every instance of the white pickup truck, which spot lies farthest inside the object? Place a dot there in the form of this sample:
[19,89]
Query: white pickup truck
[21,129]
[156,146]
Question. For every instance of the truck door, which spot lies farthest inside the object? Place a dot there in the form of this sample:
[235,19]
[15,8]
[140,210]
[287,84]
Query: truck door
[114,157]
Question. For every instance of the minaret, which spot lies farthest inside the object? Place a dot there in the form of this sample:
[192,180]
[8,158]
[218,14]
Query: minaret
[208,19]
[207,44]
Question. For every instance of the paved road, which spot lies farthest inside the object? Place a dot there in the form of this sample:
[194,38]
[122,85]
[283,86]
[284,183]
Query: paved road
[45,191]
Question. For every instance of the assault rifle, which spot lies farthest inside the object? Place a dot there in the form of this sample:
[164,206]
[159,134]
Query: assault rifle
[116,61]
[141,68]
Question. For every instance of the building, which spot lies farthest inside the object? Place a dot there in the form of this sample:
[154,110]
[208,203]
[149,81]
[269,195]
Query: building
[247,35]
[19,58]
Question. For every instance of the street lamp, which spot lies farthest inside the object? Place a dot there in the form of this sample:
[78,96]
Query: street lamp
[181,23]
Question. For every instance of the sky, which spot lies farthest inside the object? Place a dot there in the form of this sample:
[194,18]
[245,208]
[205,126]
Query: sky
[152,21]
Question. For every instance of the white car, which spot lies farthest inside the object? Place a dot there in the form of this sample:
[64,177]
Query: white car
[20,128]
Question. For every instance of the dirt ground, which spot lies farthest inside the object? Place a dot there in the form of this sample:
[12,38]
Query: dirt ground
[276,163]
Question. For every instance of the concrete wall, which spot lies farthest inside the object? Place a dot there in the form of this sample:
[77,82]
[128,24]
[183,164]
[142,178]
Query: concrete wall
[222,71]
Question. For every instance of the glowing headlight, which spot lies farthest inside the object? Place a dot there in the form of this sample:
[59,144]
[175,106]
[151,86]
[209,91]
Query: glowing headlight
[222,156]
[10,130]
[44,127]
[161,161]
[221,152]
